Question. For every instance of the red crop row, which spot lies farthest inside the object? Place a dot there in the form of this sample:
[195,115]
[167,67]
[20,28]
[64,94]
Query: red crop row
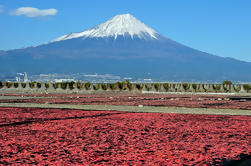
[200,101]
[71,137]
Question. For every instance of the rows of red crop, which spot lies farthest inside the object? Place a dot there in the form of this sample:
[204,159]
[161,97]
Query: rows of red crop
[199,101]
[10,116]
[54,136]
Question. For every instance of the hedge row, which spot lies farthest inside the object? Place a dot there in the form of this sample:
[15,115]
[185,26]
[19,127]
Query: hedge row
[126,85]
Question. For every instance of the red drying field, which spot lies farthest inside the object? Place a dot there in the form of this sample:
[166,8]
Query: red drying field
[76,137]
[176,100]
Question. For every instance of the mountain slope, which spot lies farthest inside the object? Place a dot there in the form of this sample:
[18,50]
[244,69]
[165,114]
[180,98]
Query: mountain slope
[127,47]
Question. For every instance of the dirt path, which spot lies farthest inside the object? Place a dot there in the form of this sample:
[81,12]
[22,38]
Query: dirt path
[178,110]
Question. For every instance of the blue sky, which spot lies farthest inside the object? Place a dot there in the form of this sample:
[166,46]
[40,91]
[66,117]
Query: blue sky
[220,27]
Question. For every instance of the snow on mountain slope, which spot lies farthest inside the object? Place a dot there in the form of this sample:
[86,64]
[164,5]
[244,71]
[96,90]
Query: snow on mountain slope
[124,24]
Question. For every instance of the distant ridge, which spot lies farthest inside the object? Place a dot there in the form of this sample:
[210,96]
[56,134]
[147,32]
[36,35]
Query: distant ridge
[126,47]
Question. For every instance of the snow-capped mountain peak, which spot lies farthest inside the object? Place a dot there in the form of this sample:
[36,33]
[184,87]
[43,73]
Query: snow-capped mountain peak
[124,24]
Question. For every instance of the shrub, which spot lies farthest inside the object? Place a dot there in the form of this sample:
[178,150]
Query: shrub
[185,86]
[205,87]
[55,85]
[237,88]
[139,86]
[23,85]
[127,82]
[124,85]
[47,85]
[157,86]
[63,85]
[112,86]
[120,85]
[216,87]
[16,84]
[87,85]
[1,84]
[32,84]
[115,86]
[71,85]
[8,84]
[127,85]
[96,86]
[104,86]
[109,86]
[166,86]
[247,87]
[226,89]
[148,87]
[194,86]
[39,85]
[79,85]
[227,83]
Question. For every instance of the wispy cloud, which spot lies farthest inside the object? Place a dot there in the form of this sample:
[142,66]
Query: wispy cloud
[1,8]
[33,12]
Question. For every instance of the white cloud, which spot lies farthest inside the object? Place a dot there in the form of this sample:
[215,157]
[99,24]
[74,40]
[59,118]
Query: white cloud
[1,8]
[33,12]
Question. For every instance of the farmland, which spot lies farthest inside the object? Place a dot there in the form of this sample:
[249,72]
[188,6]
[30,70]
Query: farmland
[55,136]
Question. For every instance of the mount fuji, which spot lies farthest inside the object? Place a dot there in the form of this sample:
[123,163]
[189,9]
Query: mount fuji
[123,46]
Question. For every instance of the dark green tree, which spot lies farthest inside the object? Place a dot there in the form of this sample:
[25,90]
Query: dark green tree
[139,86]
[64,85]
[104,86]
[194,86]
[32,84]
[247,87]
[227,82]
[39,85]
[166,86]
[87,85]
[47,85]
[71,85]
[96,86]
[79,85]
[16,84]
[8,84]
[23,85]
[185,86]
[157,86]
